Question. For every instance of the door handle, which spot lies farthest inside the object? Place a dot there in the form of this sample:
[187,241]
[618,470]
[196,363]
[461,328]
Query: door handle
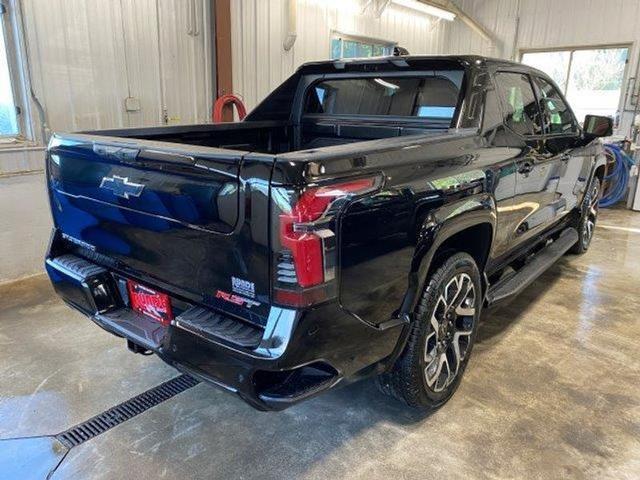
[565,158]
[526,167]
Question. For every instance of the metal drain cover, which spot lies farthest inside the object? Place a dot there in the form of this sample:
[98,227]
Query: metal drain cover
[125,411]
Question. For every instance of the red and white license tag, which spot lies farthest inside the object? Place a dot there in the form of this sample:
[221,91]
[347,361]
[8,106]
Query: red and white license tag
[149,302]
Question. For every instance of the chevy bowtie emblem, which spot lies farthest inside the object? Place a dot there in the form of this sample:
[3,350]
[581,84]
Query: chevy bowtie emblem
[122,187]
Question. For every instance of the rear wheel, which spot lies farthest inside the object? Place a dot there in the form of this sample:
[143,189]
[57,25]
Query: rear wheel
[442,335]
[586,223]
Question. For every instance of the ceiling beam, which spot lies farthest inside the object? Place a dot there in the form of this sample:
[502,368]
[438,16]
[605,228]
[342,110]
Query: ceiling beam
[468,20]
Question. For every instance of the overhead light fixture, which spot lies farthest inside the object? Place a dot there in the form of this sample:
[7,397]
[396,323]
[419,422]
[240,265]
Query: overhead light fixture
[424,8]
[392,86]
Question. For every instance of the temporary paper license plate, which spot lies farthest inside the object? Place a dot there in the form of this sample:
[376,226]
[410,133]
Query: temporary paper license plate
[149,302]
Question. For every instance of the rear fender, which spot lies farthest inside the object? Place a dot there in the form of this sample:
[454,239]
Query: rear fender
[440,225]
[598,160]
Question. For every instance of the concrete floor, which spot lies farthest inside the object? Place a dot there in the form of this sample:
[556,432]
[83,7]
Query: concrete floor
[552,391]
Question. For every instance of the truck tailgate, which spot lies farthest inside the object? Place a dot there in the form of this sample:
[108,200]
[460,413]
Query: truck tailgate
[161,211]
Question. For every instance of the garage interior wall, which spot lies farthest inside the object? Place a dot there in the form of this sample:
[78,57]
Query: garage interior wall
[259,28]
[86,58]
[550,24]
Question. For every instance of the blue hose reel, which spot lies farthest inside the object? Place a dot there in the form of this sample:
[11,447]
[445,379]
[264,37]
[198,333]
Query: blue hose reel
[619,178]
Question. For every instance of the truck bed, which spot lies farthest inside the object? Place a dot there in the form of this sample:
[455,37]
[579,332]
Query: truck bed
[267,137]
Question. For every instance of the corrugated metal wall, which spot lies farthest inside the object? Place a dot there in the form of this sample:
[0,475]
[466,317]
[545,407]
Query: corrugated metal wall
[550,24]
[545,24]
[259,29]
[87,56]
[578,22]
[498,17]
[186,60]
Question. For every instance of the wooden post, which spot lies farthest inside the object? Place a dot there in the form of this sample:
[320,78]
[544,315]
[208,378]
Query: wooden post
[224,73]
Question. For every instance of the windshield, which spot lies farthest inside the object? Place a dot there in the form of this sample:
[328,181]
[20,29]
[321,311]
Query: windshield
[433,96]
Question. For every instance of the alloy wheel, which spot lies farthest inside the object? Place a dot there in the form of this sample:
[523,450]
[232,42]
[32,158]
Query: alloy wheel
[591,215]
[449,334]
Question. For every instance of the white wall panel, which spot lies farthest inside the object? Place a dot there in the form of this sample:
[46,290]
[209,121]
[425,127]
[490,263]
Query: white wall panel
[550,24]
[545,24]
[87,56]
[186,61]
[142,61]
[25,225]
[76,63]
[578,22]
[21,159]
[259,29]
[498,17]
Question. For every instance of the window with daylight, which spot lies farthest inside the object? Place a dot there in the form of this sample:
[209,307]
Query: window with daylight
[11,90]
[590,78]
[352,47]
[521,113]
[8,112]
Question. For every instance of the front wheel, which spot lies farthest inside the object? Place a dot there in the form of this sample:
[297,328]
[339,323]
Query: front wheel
[586,223]
[442,335]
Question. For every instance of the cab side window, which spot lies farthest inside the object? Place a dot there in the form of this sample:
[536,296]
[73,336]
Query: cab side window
[557,117]
[519,105]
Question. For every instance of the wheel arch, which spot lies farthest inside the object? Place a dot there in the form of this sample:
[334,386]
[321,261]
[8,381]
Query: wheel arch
[599,172]
[459,242]
[470,230]
[599,165]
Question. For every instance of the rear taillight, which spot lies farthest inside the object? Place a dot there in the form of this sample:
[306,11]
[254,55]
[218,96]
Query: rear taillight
[305,248]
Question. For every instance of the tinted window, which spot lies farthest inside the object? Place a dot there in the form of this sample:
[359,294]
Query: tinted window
[556,114]
[434,97]
[518,101]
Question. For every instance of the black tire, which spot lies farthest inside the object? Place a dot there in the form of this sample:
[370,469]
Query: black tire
[585,224]
[413,379]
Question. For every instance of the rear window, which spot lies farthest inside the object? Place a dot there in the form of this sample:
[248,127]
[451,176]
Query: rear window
[433,97]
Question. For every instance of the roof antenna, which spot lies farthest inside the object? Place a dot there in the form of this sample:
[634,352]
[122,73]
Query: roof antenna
[399,51]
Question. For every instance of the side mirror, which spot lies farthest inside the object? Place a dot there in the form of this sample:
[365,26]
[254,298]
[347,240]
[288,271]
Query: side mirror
[598,126]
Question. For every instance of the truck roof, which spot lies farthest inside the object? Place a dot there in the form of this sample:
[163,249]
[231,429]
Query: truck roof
[398,62]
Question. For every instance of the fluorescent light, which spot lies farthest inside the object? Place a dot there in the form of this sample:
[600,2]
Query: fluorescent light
[392,86]
[424,8]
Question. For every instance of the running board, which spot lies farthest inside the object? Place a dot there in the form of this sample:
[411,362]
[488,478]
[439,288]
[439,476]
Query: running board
[521,279]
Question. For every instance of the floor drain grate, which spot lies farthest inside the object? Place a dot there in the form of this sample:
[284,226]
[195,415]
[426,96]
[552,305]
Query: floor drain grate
[125,411]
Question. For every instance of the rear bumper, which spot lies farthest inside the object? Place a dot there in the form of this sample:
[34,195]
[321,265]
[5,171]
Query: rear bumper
[299,354]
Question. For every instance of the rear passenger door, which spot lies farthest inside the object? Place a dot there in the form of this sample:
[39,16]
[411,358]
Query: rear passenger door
[562,143]
[534,207]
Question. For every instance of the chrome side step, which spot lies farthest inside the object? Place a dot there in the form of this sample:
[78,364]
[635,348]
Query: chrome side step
[521,279]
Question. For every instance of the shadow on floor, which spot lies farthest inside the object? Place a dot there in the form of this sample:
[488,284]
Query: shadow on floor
[315,430]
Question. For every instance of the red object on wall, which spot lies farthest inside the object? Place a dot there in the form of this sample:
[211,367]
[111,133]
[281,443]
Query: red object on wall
[223,101]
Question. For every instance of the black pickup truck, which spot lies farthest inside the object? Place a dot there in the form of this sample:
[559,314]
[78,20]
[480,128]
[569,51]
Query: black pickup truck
[353,225]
